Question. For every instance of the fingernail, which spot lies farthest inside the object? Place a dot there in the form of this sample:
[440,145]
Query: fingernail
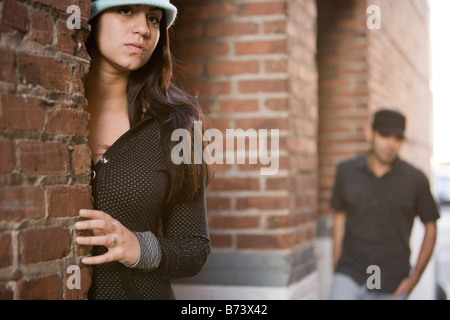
[79,225]
[83,211]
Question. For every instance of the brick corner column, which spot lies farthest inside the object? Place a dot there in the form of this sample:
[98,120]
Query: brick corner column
[44,158]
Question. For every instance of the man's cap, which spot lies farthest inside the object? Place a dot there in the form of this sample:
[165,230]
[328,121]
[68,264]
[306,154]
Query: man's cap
[388,121]
[170,10]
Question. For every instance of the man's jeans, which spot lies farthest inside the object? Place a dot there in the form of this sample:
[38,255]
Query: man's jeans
[345,288]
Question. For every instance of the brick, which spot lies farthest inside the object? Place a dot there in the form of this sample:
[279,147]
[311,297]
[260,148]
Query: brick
[207,12]
[6,291]
[14,17]
[277,104]
[234,105]
[43,158]
[18,203]
[46,72]
[265,241]
[41,288]
[44,244]
[263,86]
[231,184]
[191,70]
[6,258]
[68,122]
[47,3]
[220,123]
[217,203]
[204,50]
[221,240]
[231,29]
[240,222]
[7,156]
[279,183]
[264,203]
[7,65]
[22,113]
[65,38]
[41,27]
[284,164]
[61,5]
[81,160]
[208,88]
[260,47]
[262,8]
[226,68]
[275,27]
[78,74]
[190,31]
[275,66]
[263,123]
[66,201]
[283,222]
[85,8]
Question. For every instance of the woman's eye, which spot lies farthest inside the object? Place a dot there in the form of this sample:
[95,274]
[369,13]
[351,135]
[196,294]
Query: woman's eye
[125,11]
[153,19]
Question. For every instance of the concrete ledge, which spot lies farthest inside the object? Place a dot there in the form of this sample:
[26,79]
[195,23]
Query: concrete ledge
[305,289]
[256,269]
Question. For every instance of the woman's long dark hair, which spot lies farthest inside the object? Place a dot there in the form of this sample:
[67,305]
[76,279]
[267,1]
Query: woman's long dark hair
[152,88]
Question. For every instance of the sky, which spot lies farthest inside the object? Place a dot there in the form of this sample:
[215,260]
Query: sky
[440,50]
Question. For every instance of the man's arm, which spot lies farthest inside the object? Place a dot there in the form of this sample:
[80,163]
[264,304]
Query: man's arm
[425,254]
[338,235]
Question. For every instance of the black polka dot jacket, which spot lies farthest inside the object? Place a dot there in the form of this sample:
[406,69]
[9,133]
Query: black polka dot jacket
[130,182]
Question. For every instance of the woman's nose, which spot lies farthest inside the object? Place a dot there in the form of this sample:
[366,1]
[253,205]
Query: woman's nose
[141,25]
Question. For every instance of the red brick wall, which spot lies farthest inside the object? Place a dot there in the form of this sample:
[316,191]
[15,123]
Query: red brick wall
[44,160]
[252,64]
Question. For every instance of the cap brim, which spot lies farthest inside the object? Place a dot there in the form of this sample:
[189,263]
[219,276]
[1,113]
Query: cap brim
[169,9]
[391,131]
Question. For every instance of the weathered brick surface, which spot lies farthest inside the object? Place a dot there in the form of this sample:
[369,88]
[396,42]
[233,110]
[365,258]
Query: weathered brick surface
[44,160]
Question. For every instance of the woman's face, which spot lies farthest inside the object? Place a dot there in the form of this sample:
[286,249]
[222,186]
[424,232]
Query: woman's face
[127,36]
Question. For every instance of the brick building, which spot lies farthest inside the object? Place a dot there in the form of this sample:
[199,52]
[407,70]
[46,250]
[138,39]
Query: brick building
[313,69]
[44,160]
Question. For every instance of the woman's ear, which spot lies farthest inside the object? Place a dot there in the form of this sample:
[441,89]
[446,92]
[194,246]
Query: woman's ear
[368,133]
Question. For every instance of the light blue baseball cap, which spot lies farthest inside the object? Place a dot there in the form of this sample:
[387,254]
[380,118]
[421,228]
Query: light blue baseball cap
[170,10]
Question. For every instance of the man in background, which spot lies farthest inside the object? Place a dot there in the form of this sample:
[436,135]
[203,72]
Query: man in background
[376,198]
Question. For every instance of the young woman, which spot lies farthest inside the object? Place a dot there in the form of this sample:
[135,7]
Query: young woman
[149,221]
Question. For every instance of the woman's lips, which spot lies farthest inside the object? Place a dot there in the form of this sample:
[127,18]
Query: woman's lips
[135,47]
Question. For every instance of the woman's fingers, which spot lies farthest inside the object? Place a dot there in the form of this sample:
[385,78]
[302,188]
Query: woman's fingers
[96,220]
[104,240]
[122,244]
[94,214]
[101,225]
[104,258]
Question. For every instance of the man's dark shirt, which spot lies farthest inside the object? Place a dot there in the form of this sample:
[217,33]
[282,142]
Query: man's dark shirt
[380,213]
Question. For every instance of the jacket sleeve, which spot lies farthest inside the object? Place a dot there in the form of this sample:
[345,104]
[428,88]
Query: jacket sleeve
[185,244]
